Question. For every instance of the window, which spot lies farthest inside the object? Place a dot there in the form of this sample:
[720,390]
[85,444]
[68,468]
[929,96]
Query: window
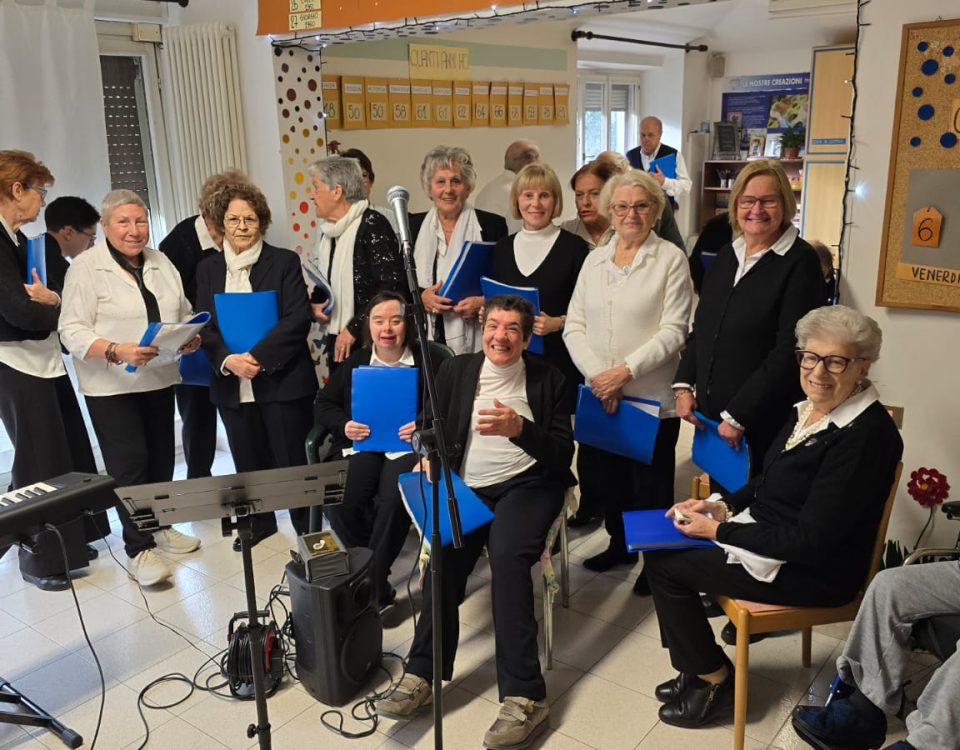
[608,118]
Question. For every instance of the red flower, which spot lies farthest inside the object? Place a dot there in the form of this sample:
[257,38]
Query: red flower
[928,487]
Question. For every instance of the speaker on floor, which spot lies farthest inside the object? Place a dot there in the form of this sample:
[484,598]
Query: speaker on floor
[337,627]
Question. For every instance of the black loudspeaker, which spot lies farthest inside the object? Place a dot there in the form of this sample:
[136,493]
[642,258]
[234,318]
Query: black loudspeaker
[337,629]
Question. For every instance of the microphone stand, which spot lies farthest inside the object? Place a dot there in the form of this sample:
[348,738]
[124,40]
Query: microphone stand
[434,443]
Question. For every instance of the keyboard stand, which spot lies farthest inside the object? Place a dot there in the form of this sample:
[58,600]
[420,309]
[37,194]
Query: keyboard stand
[25,712]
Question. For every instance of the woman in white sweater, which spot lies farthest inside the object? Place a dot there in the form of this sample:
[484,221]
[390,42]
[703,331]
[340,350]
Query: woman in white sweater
[625,327]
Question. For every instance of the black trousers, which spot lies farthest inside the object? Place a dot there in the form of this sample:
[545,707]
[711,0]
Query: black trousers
[372,512]
[523,507]
[625,484]
[45,425]
[678,577]
[270,435]
[135,432]
[199,432]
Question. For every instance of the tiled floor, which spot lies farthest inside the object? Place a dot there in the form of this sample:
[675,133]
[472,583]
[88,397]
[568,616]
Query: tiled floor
[607,660]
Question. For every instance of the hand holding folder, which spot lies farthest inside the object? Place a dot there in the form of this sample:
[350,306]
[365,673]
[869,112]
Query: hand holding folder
[170,338]
[463,280]
[667,165]
[474,514]
[384,399]
[37,258]
[321,284]
[730,467]
[647,530]
[630,432]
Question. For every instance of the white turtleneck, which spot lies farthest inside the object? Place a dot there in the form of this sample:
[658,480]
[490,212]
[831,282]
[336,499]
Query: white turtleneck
[490,459]
[530,247]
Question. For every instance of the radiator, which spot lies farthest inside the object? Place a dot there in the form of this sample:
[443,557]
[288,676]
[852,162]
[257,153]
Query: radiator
[201,99]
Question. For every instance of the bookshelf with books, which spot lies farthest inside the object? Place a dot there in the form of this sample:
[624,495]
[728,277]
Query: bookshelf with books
[718,179]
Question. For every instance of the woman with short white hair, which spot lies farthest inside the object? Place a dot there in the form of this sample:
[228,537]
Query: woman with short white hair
[112,292]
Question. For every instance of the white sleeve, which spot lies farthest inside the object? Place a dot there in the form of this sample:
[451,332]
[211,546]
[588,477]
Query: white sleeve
[682,183]
[78,310]
[575,329]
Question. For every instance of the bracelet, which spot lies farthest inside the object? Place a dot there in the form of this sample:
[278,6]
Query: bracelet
[111,354]
[681,391]
[727,513]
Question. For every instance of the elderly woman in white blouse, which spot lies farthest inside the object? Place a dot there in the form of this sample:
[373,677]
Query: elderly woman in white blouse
[111,293]
[625,327]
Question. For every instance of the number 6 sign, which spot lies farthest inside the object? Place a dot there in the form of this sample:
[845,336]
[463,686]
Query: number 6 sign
[926,227]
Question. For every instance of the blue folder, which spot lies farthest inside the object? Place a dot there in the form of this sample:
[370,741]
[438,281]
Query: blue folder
[384,399]
[201,318]
[195,369]
[37,258]
[647,530]
[463,280]
[320,282]
[245,318]
[667,164]
[531,294]
[729,467]
[630,432]
[707,260]
[474,514]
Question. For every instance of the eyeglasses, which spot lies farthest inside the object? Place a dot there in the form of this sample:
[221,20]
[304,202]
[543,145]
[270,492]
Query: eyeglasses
[91,236]
[833,363]
[42,191]
[622,209]
[234,221]
[749,201]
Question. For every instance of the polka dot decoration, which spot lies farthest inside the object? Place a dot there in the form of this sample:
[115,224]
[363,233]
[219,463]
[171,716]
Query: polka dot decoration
[299,102]
[929,124]
[925,112]
[915,141]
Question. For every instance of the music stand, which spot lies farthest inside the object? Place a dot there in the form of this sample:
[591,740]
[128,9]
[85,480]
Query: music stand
[234,499]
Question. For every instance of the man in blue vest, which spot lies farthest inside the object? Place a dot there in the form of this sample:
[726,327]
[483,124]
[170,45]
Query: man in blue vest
[650,148]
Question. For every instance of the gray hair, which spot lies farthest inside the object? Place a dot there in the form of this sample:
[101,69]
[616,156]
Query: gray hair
[342,171]
[116,198]
[844,323]
[453,158]
[519,154]
[632,178]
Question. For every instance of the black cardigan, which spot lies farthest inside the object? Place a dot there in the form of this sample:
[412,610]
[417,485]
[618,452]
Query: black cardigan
[493,227]
[818,505]
[739,354]
[288,372]
[556,278]
[548,438]
[182,247]
[21,319]
[333,405]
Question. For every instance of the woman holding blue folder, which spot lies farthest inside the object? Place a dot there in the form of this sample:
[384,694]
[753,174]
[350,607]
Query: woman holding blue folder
[372,513]
[264,392]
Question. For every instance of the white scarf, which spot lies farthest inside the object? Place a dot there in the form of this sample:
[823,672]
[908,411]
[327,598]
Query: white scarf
[238,280]
[462,335]
[344,231]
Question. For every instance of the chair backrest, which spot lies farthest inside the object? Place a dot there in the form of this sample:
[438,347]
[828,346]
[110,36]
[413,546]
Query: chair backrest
[882,528]
[439,351]
[700,486]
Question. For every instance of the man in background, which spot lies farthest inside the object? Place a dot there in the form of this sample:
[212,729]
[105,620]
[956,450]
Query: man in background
[650,148]
[71,229]
[495,196]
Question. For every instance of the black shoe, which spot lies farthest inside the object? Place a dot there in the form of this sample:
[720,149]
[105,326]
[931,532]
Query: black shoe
[700,703]
[47,583]
[710,606]
[641,587]
[729,635]
[92,553]
[610,558]
[672,689]
[581,518]
[257,538]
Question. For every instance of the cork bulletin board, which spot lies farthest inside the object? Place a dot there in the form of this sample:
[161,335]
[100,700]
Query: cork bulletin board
[920,252]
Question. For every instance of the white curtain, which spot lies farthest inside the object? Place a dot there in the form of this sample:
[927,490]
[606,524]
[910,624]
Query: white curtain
[51,104]
[51,97]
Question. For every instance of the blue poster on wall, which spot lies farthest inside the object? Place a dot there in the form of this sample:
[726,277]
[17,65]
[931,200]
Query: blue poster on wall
[773,103]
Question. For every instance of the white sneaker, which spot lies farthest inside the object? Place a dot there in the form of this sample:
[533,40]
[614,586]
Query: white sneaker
[148,568]
[172,541]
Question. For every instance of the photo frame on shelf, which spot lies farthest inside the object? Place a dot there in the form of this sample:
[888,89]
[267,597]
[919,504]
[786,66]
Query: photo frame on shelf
[772,149]
[755,150]
[726,141]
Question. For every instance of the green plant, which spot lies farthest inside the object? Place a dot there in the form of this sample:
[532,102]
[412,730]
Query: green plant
[793,138]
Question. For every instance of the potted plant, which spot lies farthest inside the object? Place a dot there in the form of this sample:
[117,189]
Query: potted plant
[791,141]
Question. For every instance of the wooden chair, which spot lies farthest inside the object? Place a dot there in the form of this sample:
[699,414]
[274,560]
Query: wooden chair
[754,617]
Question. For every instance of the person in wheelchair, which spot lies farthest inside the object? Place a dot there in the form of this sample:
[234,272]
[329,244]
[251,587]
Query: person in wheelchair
[874,664]
[372,513]
[800,533]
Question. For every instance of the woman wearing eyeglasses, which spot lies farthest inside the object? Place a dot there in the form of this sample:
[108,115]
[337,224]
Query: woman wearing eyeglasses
[625,326]
[264,395]
[801,532]
[738,366]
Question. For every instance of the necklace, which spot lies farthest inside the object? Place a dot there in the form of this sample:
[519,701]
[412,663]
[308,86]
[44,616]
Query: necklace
[802,431]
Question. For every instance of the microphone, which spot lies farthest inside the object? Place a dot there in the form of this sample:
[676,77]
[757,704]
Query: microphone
[398,197]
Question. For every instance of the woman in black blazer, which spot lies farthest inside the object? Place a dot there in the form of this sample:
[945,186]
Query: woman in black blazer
[802,531]
[264,394]
[448,178]
[372,513]
[737,366]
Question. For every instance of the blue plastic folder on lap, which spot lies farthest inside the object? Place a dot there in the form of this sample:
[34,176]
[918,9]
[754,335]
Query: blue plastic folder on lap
[667,164]
[531,294]
[647,530]
[729,467]
[475,260]
[245,318]
[474,514]
[384,399]
[630,432]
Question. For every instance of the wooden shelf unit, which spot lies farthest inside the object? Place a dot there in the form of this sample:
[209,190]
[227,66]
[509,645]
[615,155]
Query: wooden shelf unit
[714,196]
